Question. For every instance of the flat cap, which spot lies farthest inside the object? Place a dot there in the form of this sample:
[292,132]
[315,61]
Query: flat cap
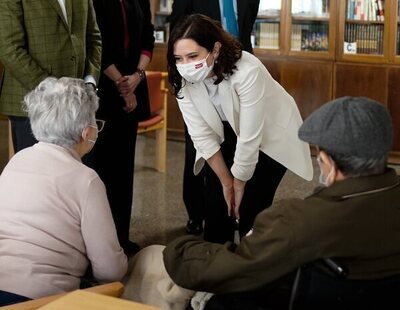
[355,126]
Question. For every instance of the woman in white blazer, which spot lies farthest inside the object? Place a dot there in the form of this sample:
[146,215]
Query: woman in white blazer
[242,122]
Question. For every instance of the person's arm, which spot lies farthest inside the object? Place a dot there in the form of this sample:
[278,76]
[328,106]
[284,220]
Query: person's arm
[108,56]
[14,50]
[128,84]
[252,99]
[267,254]
[217,164]
[93,46]
[109,263]
[205,140]
[131,81]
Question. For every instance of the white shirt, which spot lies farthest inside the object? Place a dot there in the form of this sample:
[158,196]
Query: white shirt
[212,90]
[63,9]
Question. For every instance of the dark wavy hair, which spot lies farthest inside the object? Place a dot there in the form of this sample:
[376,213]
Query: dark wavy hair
[205,32]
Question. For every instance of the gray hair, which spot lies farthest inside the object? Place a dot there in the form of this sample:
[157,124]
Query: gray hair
[60,109]
[355,166]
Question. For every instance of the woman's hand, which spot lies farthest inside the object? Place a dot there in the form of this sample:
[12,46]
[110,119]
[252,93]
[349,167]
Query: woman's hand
[130,102]
[128,83]
[238,188]
[229,196]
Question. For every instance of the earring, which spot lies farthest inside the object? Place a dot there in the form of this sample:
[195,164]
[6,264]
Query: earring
[216,61]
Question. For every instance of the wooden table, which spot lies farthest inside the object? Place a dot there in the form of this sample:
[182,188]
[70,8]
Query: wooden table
[81,299]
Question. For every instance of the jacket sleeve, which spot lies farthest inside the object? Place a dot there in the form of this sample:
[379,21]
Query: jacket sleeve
[205,140]
[251,92]
[93,45]
[107,56]
[264,256]
[109,263]
[148,28]
[13,47]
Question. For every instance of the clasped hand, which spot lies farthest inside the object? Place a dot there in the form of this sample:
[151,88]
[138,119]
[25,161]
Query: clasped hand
[128,83]
[126,86]
[233,194]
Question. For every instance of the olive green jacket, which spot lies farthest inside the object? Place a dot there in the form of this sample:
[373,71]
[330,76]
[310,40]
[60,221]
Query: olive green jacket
[37,42]
[356,221]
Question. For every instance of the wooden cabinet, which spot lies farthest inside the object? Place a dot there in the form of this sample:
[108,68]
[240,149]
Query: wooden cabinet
[362,58]
[319,50]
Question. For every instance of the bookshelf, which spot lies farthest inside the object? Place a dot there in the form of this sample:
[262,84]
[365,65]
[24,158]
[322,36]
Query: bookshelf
[319,50]
[364,31]
[161,10]
[266,32]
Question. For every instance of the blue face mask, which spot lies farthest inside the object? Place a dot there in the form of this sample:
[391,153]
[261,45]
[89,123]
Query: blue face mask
[322,179]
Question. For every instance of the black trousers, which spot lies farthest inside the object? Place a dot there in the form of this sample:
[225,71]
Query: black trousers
[21,133]
[193,185]
[113,158]
[258,195]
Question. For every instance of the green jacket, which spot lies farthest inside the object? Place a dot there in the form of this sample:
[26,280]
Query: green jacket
[356,221]
[37,42]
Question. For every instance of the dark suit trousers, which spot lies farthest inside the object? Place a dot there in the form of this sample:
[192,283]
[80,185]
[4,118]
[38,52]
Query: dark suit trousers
[258,195]
[22,135]
[113,158]
[193,185]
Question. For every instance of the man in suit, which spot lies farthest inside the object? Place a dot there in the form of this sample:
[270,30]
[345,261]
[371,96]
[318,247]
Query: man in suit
[44,38]
[245,14]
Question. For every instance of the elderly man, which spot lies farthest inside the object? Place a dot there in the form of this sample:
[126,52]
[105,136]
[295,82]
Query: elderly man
[354,218]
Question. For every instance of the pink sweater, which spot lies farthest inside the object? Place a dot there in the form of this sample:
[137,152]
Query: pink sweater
[54,218]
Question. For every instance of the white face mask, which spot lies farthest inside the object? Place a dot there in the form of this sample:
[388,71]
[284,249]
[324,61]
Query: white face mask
[324,181]
[195,72]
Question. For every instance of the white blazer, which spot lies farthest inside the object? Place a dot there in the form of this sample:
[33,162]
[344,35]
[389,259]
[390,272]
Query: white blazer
[262,114]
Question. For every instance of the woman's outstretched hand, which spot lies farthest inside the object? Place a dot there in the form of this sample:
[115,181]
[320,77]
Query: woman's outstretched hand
[229,196]
[238,188]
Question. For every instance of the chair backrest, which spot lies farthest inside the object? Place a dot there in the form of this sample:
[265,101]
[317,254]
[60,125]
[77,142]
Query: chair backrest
[315,288]
[156,93]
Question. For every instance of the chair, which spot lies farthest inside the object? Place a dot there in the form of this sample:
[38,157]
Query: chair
[319,285]
[316,287]
[158,120]
[114,289]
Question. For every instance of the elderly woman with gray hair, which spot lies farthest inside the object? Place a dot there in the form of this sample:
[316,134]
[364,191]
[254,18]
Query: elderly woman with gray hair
[54,213]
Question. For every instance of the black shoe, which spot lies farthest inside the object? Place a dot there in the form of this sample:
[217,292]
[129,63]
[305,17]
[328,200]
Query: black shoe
[130,248]
[194,227]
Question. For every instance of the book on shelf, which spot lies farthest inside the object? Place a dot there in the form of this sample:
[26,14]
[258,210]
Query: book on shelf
[310,37]
[161,34]
[267,35]
[364,38]
[366,10]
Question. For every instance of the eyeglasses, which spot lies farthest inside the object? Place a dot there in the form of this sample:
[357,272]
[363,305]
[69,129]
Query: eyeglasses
[99,125]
